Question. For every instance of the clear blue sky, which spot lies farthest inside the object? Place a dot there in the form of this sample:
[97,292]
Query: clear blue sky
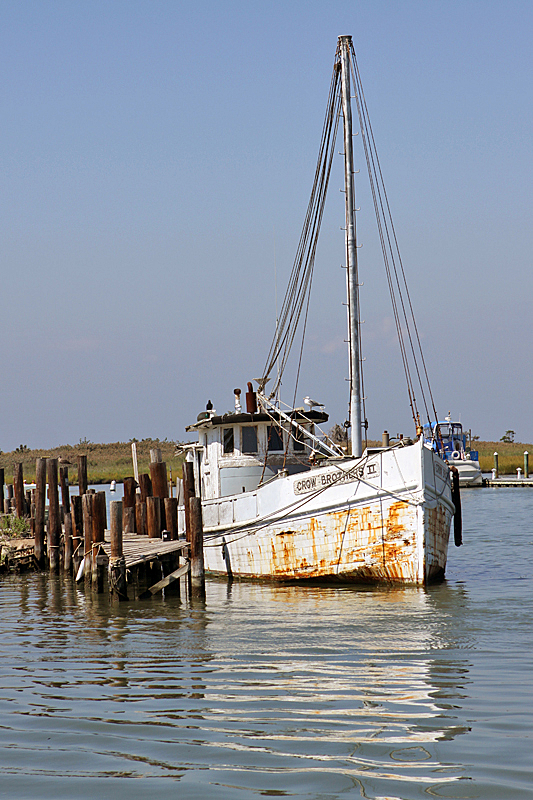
[157,159]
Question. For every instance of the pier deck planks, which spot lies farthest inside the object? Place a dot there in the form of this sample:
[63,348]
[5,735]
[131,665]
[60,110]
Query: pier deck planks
[138,549]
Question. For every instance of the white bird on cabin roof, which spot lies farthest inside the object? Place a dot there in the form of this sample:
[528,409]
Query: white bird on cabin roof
[312,403]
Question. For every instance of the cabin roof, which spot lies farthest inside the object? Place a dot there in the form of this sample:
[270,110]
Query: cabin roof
[299,415]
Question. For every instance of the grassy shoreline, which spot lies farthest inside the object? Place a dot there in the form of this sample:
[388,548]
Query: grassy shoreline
[113,461]
[105,462]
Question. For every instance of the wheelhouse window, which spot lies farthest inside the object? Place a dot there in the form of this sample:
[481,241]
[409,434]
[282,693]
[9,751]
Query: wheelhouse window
[249,439]
[229,442]
[275,438]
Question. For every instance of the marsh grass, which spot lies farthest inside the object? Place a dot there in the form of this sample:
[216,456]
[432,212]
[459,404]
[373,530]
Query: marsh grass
[510,456]
[105,462]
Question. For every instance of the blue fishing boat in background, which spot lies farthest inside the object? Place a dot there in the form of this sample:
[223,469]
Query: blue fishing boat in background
[451,442]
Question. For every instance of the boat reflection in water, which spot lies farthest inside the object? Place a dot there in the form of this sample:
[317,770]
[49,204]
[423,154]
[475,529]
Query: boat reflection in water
[304,691]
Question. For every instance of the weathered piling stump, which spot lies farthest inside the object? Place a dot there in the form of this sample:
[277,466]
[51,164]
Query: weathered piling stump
[117,563]
[87,511]
[140,517]
[188,492]
[65,496]
[18,486]
[129,502]
[145,485]
[67,559]
[54,518]
[82,475]
[158,475]
[98,563]
[40,501]
[153,517]
[76,516]
[171,517]
[197,548]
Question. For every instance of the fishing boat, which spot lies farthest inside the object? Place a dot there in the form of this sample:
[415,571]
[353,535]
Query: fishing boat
[451,440]
[283,501]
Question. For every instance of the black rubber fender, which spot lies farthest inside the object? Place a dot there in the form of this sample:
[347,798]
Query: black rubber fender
[456,500]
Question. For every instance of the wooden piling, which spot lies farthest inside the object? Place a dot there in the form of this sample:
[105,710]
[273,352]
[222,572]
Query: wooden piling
[82,475]
[87,511]
[2,481]
[140,519]
[65,496]
[98,565]
[497,474]
[76,515]
[18,486]
[54,519]
[40,502]
[145,485]
[526,464]
[128,505]
[153,517]
[67,560]
[197,548]
[117,562]
[171,517]
[188,492]
[156,455]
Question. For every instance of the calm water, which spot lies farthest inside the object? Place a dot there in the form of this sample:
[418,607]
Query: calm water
[314,693]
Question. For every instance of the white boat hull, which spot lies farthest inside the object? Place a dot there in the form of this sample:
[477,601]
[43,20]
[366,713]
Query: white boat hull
[383,518]
[469,472]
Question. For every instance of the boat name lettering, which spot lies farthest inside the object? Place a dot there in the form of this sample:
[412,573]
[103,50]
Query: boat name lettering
[315,483]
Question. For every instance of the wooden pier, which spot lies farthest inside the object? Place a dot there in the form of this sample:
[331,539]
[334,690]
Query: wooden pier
[509,483]
[141,552]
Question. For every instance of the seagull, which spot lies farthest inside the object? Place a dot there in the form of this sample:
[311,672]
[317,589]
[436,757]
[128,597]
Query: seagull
[312,403]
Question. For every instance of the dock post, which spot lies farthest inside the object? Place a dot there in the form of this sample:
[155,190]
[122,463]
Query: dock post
[140,517]
[526,464]
[67,559]
[197,548]
[171,516]
[82,475]
[87,512]
[76,516]
[117,562]
[54,519]
[129,500]
[40,501]
[18,486]
[158,476]
[2,481]
[153,517]
[98,536]
[496,465]
[188,492]
[65,496]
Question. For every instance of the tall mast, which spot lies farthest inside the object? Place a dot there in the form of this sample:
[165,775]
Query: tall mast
[345,46]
